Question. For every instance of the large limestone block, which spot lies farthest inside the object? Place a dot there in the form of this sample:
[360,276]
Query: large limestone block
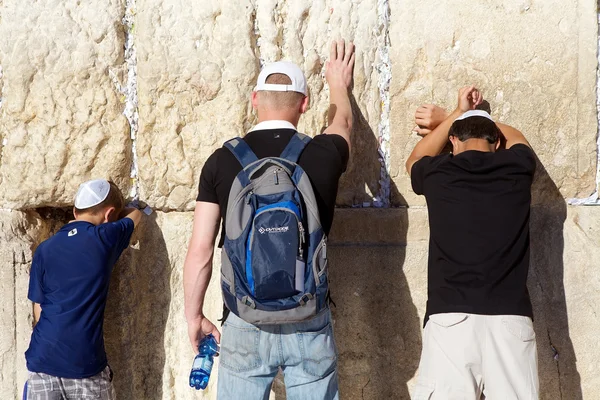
[378,268]
[61,119]
[19,234]
[565,288]
[196,70]
[301,32]
[145,329]
[535,62]
[378,282]
[197,66]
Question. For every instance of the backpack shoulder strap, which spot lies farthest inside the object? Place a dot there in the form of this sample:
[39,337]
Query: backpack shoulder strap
[295,147]
[241,151]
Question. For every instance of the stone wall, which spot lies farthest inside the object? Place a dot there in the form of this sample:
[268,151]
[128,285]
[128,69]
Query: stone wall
[182,72]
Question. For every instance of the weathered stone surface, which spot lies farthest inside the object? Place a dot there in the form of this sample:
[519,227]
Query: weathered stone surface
[19,235]
[196,70]
[380,293]
[61,117]
[535,62]
[194,95]
[565,290]
[301,31]
[145,328]
[378,284]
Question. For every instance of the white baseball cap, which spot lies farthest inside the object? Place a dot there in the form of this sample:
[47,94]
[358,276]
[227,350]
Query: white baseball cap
[91,193]
[289,69]
[474,113]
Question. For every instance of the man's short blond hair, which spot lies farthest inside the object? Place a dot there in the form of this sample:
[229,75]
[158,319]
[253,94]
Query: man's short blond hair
[280,100]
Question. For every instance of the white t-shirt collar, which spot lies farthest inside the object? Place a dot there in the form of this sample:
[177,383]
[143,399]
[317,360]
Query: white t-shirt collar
[273,124]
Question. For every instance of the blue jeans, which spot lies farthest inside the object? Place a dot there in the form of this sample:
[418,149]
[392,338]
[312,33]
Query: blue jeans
[252,355]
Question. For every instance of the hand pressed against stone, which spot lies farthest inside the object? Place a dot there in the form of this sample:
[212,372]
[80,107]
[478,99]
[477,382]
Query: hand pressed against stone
[339,72]
[469,97]
[340,67]
[428,117]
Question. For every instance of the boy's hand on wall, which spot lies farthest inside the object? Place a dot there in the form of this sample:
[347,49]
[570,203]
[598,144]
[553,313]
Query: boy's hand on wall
[469,98]
[428,117]
[200,327]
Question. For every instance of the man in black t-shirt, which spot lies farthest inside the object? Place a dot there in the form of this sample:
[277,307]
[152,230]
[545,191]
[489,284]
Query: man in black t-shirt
[252,355]
[478,338]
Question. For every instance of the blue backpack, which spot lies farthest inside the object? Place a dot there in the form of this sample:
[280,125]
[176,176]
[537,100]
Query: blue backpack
[274,263]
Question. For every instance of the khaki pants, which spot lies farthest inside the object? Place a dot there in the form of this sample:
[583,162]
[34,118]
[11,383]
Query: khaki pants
[469,356]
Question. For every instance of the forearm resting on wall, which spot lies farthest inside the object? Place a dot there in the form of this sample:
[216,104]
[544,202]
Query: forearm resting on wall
[432,144]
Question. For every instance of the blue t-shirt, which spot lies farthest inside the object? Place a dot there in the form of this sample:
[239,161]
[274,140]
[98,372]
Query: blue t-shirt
[70,274]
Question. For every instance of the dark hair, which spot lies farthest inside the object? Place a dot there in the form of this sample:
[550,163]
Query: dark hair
[475,128]
[114,199]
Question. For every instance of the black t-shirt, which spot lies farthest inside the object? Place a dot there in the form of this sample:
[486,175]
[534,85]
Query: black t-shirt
[478,206]
[324,160]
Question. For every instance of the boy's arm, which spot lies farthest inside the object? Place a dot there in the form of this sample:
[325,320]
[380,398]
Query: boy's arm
[37,312]
[197,271]
[339,71]
[133,214]
[432,144]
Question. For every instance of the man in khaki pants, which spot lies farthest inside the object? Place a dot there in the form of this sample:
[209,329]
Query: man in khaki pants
[478,339]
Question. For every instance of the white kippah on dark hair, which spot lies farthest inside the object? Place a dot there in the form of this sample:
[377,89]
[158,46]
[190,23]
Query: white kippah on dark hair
[92,193]
[474,113]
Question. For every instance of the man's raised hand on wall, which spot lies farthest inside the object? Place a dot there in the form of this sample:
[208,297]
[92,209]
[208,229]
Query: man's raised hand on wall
[339,71]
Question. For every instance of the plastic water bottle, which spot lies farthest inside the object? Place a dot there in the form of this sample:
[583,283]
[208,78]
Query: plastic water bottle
[203,362]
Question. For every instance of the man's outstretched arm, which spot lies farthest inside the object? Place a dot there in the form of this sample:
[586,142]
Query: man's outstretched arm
[339,71]
[197,271]
[432,144]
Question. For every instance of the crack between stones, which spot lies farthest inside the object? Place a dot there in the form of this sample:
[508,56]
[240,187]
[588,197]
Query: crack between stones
[556,355]
[14,263]
[594,199]
[131,103]
[384,69]
[4,141]
[128,91]
[257,37]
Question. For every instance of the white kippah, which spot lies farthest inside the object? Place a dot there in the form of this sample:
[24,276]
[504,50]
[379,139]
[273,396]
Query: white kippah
[91,193]
[474,113]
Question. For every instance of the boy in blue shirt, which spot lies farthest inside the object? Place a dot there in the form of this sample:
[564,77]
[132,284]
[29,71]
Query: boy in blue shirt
[68,285]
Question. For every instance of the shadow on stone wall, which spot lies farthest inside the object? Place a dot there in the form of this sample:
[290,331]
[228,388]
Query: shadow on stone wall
[136,314]
[559,377]
[361,181]
[377,328]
